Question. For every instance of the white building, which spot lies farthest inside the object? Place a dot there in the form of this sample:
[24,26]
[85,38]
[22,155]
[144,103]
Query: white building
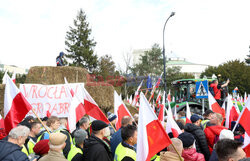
[12,69]
[173,60]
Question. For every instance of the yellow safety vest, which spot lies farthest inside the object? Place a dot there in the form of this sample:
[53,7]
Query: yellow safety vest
[155,158]
[122,152]
[24,149]
[30,146]
[204,124]
[73,151]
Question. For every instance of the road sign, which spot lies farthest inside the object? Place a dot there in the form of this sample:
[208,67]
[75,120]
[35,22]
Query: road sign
[202,89]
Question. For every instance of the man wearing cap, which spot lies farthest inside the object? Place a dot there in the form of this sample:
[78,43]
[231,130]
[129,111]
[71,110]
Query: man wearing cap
[76,152]
[56,145]
[189,153]
[112,119]
[195,129]
[94,147]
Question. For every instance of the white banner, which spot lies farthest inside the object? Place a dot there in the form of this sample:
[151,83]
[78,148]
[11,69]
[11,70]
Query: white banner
[49,98]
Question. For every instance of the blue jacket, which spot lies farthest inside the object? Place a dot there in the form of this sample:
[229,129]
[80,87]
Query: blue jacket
[116,139]
[214,156]
[11,152]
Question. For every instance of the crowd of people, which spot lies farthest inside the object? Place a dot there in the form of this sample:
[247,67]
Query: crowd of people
[205,139]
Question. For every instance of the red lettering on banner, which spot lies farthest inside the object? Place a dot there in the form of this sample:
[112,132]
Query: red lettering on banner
[34,87]
[25,93]
[39,92]
[61,108]
[54,109]
[48,93]
[66,104]
[63,91]
[39,108]
[76,89]
[55,93]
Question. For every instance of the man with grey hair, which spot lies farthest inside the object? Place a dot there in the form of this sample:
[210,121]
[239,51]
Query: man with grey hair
[11,149]
[83,123]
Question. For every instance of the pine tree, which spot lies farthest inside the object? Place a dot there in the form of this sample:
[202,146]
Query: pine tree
[248,58]
[80,46]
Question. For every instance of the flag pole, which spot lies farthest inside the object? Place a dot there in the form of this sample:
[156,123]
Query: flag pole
[40,121]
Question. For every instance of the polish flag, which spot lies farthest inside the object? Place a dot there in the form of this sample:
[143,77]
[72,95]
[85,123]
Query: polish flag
[1,122]
[162,110]
[130,99]
[246,146]
[120,110]
[231,113]
[158,98]
[4,80]
[245,97]
[13,78]
[188,114]
[244,117]
[214,105]
[169,96]
[68,86]
[171,125]
[152,137]
[15,105]
[92,108]
[136,97]
[76,109]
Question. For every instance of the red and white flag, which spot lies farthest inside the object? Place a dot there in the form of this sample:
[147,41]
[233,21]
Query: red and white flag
[169,96]
[152,137]
[120,110]
[244,117]
[136,96]
[13,78]
[214,106]
[130,99]
[246,146]
[15,105]
[175,113]
[188,114]
[1,122]
[231,112]
[4,80]
[171,125]
[245,97]
[92,108]
[158,98]
[162,110]
[76,109]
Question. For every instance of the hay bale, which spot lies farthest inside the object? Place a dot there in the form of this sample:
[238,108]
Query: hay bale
[103,94]
[55,75]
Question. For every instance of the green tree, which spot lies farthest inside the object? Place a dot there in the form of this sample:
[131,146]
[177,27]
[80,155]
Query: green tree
[238,73]
[80,46]
[151,62]
[248,59]
[106,67]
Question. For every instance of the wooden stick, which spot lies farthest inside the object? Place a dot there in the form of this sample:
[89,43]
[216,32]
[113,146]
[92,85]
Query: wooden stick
[40,121]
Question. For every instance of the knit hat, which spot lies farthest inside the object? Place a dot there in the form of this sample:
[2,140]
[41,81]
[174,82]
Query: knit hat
[187,139]
[80,135]
[195,118]
[98,125]
[41,147]
[226,134]
[111,117]
[57,138]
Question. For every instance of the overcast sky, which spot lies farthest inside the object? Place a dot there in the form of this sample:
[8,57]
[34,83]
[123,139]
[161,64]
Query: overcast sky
[32,32]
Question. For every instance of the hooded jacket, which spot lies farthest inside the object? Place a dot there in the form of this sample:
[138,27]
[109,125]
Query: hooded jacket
[192,155]
[96,150]
[200,139]
[11,152]
[169,156]
[211,132]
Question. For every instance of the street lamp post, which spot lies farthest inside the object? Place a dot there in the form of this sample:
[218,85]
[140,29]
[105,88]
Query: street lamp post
[164,59]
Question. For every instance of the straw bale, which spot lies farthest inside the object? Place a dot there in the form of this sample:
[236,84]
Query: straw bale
[55,75]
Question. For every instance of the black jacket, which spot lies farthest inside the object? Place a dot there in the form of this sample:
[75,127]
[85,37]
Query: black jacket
[11,152]
[96,150]
[200,137]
